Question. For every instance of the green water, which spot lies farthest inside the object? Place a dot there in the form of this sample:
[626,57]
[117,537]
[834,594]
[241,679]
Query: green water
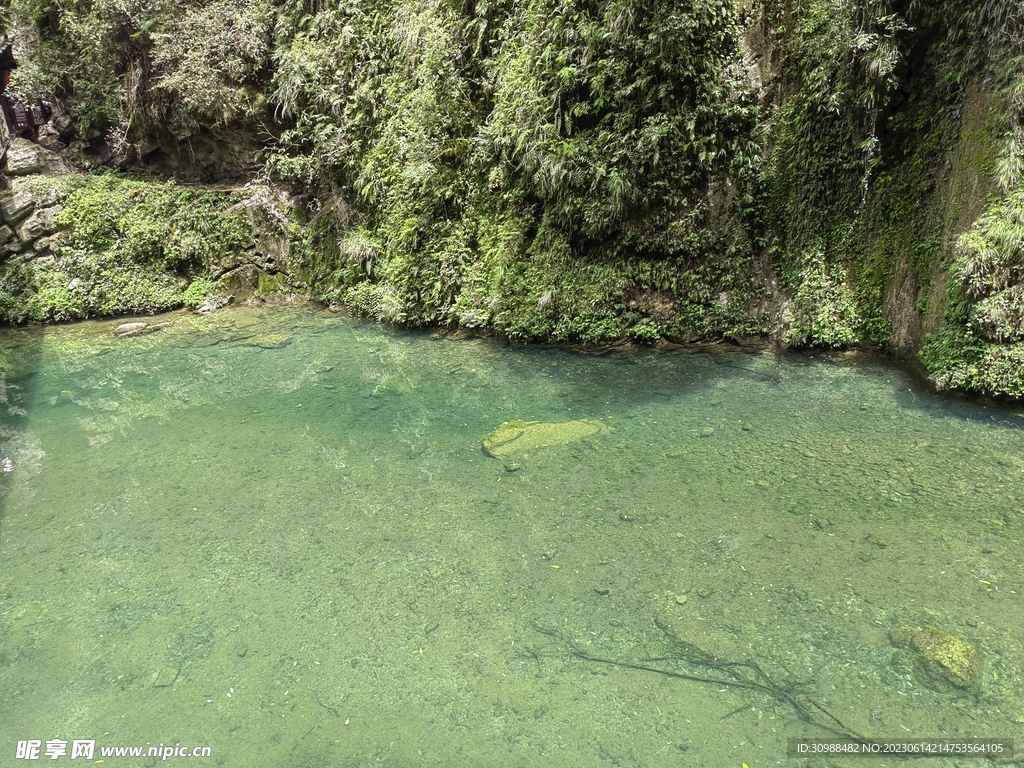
[293,511]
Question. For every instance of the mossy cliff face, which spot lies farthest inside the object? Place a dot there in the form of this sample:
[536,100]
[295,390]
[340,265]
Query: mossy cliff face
[77,246]
[823,173]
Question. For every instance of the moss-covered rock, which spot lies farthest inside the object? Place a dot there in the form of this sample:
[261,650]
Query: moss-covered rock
[517,436]
[98,246]
[944,659]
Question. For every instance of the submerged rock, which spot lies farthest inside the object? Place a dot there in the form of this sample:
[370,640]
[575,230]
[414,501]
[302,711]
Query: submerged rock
[129,329]
[692,639]
[944,659]
[165,677]
[268,341]
[518,435]
[134,329]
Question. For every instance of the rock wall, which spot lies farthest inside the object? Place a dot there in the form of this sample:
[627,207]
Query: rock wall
[29,212]
[74,245]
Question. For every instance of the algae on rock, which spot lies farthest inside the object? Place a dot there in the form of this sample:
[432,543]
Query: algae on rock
[944,659]
[517,435]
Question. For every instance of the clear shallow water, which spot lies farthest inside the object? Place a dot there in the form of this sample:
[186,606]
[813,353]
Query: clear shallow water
[295,509]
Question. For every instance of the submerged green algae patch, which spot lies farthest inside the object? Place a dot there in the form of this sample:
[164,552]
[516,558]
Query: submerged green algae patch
[517,436]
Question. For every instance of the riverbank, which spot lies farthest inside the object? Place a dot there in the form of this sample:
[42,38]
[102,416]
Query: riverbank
[825,174]
[77,245]
[85,246]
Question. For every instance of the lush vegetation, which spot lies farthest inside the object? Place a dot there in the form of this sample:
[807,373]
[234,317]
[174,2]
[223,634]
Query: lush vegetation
[980,346]
[529,166]
[589,169]
[126,247]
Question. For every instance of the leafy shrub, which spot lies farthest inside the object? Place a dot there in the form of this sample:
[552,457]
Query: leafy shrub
[825,308]
[198,291]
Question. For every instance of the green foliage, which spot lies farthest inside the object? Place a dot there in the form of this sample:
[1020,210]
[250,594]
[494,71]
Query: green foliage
[143,67]
[557,168]
[831,203]
[486,154]
[981,344]
[615,115]
[212,62]
[158,224]
[957,359]
[198,291]
[126,246]
[845,59]
[990,266]
[825,308]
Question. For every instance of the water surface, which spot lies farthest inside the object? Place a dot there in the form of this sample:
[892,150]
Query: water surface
[292,511]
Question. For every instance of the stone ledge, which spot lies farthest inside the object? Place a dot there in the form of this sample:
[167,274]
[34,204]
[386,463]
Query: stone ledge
[25,157]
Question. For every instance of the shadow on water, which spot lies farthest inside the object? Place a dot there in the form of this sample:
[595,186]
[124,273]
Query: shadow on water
[910,387]
[637,376]
[21,352]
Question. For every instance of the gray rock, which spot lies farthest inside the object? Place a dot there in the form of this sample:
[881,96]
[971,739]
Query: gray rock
[16,208]
[44,245]
[6,233]
[25,157]
[134,329]
[212,304]
[274,250]
[39,223]
[165,677]
[62,122]
[48,197]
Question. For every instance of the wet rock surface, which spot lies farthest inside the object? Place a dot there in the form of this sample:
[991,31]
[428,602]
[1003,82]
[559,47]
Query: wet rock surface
[517,436]
[943,659]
